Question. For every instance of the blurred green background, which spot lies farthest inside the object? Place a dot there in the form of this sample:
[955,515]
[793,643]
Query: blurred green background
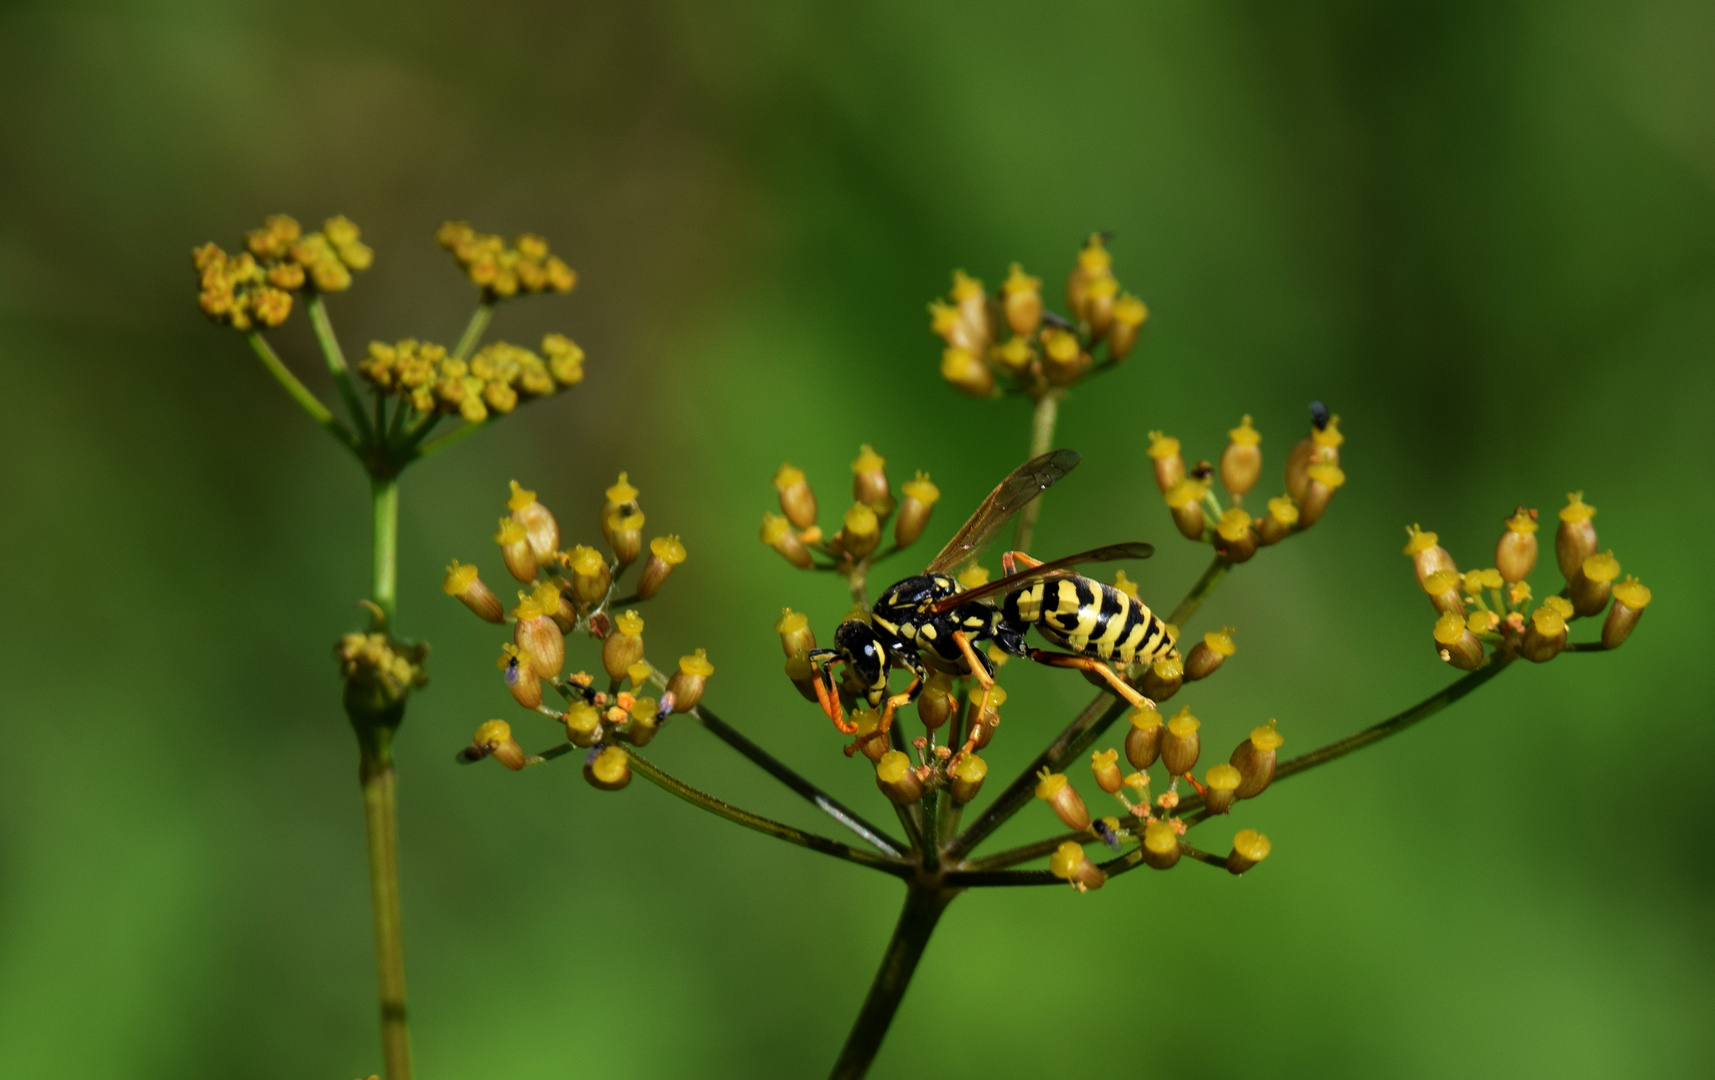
[1483,232]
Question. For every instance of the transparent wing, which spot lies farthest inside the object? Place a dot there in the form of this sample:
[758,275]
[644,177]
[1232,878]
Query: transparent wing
[1008,498]
[1111,553]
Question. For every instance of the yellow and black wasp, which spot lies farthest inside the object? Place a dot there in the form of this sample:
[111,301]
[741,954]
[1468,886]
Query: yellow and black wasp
[932,615]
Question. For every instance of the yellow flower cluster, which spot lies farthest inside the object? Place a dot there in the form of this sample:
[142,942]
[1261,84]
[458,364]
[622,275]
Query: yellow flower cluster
[378,672]
[1012,337]
[501,271]
[795,534]
[494,380]
[255,286]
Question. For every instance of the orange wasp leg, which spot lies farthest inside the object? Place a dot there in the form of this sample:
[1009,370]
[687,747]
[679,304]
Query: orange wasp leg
[1085,663]
[829,699]
[982,676]
[886,725]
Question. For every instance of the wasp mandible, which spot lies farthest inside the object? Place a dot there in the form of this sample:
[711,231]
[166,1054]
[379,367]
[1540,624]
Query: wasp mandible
[932,614]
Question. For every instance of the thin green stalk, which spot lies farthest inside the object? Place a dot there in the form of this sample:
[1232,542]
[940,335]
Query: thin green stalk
[335,357]
[300,393]
[1041,441]
[451,438]
[474,329]
[384,568]
[380,810]
[655,775]
[924,904]
[1200,591]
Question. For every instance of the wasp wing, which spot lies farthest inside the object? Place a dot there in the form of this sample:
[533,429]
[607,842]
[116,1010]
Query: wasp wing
[1008,498]
[1111,553]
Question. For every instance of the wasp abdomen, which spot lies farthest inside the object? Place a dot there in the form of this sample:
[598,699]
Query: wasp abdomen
[1087,617]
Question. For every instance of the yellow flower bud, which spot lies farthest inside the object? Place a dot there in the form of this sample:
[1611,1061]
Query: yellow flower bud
[1235,540]
[1143,739]
[1630,599]
[538,636]
[968,374]
[973,304]
[1324,480]
[1021,296]
[1444,588]
[1593,582]
[897,779]
[494,739]
[519,671]
[625,537]
[797,500]
[868,721]
[1160,844]
[1180,743]
[1071,864]
[1168,465]
[583,724]
[1255,758]
[1104,766]
[1249,848]
[1058,792]
[591,577]
[1221,787]
[1454,641]
[462,581]
[1210,653]
[1063,358]
[1094,264]
[862,533]
[1163,679]
[796,636]
[985,714]
[1099,297]
[665,552]
[610,771]
[540,528]
[1279,522]
[686,685]
[1427,555]
[1515,552]
[1575,539]
[920,498]
[1129,316]
[1185,500]
[1544,635]
[515,550]
[645,721]
[1241,461]
[936,703]
[802,674]
[623,645]
[967,776]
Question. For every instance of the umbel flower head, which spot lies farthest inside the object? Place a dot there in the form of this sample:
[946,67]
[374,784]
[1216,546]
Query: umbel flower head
[255,287]
[495,380]
[379,672]
[503,270]
[796,535]
[1013,342]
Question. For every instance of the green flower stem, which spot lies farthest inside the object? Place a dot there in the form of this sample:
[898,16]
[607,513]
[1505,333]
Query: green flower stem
[474,330]
[384,503]
[924,903]
[451,438]
[655,775]
[1041,441]
[1200,591]
[380,809]
[778,769]
[335,357]
[299,392]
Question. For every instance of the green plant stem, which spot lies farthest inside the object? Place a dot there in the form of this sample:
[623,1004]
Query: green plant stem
[1200,591]
[1041,441]
[924,903]
[384,569]
[782,772]
[300,393]
[780,831]
[380,809]
[335,357]
[474,329]
[451,438]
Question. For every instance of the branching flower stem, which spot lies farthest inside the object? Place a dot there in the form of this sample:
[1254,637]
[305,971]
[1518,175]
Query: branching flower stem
[335,357]
[1042,423]
[924,903]
[300,393]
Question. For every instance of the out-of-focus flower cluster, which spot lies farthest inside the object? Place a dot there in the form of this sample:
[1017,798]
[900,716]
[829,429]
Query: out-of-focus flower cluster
[1313,475]
[494,380]
[575,591]
[795,534]
[379,672]
[254,287]
[1012,340]
[1491,611]
[503,270]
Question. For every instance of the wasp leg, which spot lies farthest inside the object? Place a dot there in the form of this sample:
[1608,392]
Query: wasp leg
[829,697]
[909,694]
[1086,663]
[980,671]
[1014,561]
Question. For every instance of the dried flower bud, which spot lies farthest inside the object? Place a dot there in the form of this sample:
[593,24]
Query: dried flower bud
[1321,446]
[519,671]
[538,636]
[1630,599]
[591,577]
[686,685]
[1057,791]
[463,582]
[1235,540]
[1515,552]
[608,770]
[936,703]
[1071,864]
[1163,679]
[1427,555]
[540,528]
[1454,641]
[1280,521]
[645,720]
[1094,263]
[797,500]
[494,739]
[515,550]
[1143,740]
[665,552]
[1169,467]
[1324,480]
[1249,848]
[1021,296]
[1575,539]
[1254,758]
[920,498]
[862,533]
[802,674]
[1063,358]
[1185,500]
[583,724]
[1160,844]
[623,646]
[1180,743]
[1590,586]
[868,722]
[967,775]
[621,499]
[1209,654]
[1544,635]
[625,537]
[897,779]
[1444,588]
[1129,316]
[1241,461]
[1105,768]
[1221,788]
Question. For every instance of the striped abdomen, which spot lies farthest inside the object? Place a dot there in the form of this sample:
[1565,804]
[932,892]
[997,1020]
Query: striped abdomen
[1092,619]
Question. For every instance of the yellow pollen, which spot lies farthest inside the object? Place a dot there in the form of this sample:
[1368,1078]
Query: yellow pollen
[1169,669]
[510,532]
[1266,737]
[774,529]
[621,492]
[1559,605]
[861,520]
[1632,593]
[1183,723]
[1186,492]
[586,561]
[1327,474]
[1020,282]
[1101,759]
[868,460]
[643,708]
[1441,581]
[1330,435]
[610,765]
[1160,837]
[582,717]
[1144,719]
[1418,541]
[459,577]
[1548,623]
[964,286]
[788,476]
[1066,859]
[1603,567]
[639,673]
[1449,628]
[892,767]
[974,576]
[697,664]
[1129,310]
[1282,510]
[921,489]
[1233,524]
[668,549]
[1522,522]
[791,621]
[520,498]
[1162,446]
[1220,641]
[1252,845]
[1244,434]
[629,624]
[1222,777]
[1050,784]
[547,597]
[1576,509]
[1060,345]
[971,768]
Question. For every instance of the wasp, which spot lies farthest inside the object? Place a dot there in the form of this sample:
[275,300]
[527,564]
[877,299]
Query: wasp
[931,617]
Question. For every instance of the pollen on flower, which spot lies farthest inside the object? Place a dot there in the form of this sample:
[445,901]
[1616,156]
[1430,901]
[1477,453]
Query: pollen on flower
[1245,434]
[1632,593]
[520,498]
[668,549]
[1602,567]
[1221,641]
[1576,509]
[696,664]
[921,489]
[1417,540]
[459,576]
[623,491]
[1449,628]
